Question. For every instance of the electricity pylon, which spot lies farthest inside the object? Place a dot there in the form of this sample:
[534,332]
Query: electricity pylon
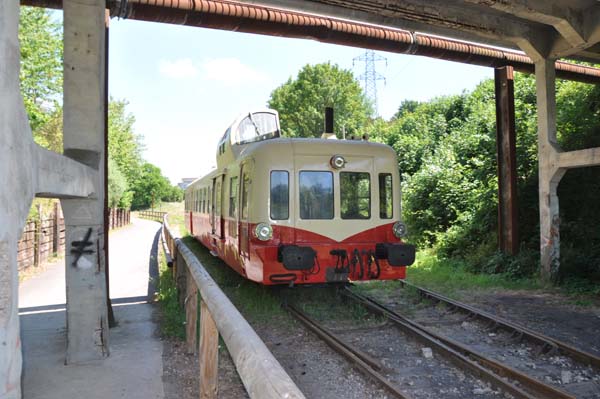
[370,76]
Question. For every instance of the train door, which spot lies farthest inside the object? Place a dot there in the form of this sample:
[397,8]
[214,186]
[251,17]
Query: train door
[244,214]
[217,209]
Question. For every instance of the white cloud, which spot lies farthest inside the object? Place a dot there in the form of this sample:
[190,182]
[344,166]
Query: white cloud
[231,71]
[178,69]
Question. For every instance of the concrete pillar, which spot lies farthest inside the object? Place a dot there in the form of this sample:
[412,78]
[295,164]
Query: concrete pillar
[84,111]
[16,194]
[549,171]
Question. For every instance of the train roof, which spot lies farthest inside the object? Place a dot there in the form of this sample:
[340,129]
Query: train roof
[285,146]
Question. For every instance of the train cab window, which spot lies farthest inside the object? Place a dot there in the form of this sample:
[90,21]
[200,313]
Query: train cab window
[316,195]
[233,191]
[355,195]
[386,209]
[280,195]
[257,126]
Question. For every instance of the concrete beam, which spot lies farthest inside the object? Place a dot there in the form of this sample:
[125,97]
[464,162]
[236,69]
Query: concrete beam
[62,177]
[566,21]
[83,138]
[579,159]
[550,173]
[508,32]
[589,25]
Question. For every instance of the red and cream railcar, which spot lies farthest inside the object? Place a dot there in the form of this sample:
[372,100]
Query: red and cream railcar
[292,211]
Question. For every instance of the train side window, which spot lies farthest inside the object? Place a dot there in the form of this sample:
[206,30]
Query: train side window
[386,209]
[204,200]
[233,191]
[280,195]
[355,195]
[245,194]
[316,195]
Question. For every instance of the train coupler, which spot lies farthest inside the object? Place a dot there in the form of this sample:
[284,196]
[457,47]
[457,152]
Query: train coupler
[336,275]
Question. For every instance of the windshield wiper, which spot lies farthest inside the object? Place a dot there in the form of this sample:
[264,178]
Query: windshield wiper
[254,123]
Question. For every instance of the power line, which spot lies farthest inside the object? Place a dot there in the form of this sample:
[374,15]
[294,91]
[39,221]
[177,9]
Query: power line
[370,76]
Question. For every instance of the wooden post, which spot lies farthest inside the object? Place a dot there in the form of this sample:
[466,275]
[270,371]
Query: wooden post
[180,283]
[191,314]
[56,230]
[209,354]
[508,236]
[38,238]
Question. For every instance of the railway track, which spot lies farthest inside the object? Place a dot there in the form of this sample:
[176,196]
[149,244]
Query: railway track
[510,380]
[548,344]
[497,374]
[366,363]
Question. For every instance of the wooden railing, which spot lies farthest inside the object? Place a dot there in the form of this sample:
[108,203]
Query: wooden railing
[262,375]
[118,217]
[152,215]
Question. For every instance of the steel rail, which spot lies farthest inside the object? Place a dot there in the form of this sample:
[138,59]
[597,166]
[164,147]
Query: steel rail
[363,361]
[541,388]
[552,343]
[459,359]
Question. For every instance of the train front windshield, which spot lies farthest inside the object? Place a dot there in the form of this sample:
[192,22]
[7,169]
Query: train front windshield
[316,195]
[257,126]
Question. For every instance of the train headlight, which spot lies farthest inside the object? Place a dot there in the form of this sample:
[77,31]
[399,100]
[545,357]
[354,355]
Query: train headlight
[263,231]
[399,229]
[337,162]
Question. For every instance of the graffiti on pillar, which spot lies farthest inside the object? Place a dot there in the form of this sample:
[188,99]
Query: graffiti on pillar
[79,248]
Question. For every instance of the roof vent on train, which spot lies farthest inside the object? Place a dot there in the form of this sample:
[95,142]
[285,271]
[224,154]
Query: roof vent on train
[328,133]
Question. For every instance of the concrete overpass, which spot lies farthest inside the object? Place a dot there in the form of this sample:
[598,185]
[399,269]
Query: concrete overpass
[544,30]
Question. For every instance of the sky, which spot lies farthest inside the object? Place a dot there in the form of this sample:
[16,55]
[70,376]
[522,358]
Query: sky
[186,85]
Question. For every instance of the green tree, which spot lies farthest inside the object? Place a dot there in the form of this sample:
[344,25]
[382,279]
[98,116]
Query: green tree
[124,145]
[150,187]
[41,64]
[117,185]
[301,102]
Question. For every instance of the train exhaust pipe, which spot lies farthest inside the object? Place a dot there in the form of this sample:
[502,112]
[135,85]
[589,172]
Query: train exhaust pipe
[328,133]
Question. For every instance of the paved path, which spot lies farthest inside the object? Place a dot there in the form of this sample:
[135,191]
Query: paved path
[134,368]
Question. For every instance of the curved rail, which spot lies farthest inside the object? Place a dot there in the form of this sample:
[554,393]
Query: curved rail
[260,372]
[486,368]
[548,342]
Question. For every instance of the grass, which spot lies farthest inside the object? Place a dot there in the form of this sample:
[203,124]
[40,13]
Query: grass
[449,277]
[452,278]
[257,303]
[173,316]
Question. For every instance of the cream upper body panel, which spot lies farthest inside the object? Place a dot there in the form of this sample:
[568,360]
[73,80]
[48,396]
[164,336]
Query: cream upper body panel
[303,155]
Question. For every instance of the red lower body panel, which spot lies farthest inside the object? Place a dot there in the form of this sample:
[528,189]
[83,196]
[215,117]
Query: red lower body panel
[260,261]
